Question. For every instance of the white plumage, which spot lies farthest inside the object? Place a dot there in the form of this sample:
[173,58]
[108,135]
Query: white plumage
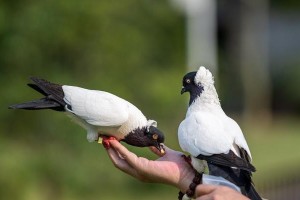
[214,140]
[100,113]
[207,130]
[103,112]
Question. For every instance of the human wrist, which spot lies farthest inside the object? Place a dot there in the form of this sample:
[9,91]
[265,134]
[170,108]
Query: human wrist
[186,178]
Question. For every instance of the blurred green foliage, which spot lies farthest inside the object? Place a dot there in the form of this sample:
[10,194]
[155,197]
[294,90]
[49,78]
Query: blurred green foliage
[132,48]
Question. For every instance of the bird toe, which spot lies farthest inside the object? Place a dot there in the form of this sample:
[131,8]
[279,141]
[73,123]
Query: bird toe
[105,141]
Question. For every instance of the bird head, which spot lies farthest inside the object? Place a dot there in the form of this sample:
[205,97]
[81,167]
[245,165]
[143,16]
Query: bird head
[146,136]
[197,83]
[189,85]
[155,138]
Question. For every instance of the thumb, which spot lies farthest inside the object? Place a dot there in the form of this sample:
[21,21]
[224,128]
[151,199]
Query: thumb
[204,189]
[159,153]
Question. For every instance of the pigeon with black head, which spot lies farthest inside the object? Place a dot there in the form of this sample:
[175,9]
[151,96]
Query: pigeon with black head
[102,114]
[214,140]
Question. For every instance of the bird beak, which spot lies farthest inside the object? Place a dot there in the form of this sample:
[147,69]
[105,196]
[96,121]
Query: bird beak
[183,90]
[160,148]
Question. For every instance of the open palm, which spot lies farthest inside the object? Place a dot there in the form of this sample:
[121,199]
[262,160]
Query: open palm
[170,168]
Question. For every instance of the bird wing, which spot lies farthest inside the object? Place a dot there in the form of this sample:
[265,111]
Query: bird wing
[239,155]
[239,140]
[229,160]
[97,108]
[203,133]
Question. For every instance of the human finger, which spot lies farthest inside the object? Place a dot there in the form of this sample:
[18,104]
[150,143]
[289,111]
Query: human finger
[121,163]
[204,189]
[158,152]
[132,159]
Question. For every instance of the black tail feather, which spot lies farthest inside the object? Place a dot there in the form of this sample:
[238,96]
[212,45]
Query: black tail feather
[53,91]
[39,104]
[252,194]
[35,87]
[239,177]
[53,96]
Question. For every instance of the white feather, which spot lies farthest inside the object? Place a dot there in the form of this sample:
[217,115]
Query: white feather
[207,129]
[99,111]
[204,77]
[204,133]
[96,107]
[239,140]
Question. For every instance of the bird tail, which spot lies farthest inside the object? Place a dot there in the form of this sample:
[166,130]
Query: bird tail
[252,194]
[53,96]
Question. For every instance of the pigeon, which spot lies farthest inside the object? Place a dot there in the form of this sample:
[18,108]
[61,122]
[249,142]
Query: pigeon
[102,114]
[214,141]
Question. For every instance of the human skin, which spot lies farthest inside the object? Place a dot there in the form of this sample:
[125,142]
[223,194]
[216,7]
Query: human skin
[170,168]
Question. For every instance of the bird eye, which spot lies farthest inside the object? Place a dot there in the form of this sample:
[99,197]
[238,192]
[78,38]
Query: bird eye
[188,80]
[155,136]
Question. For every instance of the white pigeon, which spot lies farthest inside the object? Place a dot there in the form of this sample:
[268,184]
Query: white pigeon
[100,113]
[213,139]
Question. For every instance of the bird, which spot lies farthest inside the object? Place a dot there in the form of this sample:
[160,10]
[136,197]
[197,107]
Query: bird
[214,141]
[103,115]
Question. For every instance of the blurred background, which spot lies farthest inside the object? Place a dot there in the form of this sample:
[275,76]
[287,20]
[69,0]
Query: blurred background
[140,50]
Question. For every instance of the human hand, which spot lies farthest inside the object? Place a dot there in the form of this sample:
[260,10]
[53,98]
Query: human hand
[213,192]
[170,168]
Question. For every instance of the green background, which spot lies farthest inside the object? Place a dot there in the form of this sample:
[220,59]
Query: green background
[134,49]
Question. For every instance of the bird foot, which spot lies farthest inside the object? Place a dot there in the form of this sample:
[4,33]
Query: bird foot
[105,141]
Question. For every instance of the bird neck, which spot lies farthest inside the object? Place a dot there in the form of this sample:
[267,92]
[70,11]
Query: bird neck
[208,97]
[137,137]
[136,119]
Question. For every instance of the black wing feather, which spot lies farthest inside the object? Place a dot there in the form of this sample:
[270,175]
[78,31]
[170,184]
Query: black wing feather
[237,170]
[239,177]
[229,160]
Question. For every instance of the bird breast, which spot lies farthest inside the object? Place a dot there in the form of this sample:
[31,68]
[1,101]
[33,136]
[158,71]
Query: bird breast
[203,133]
